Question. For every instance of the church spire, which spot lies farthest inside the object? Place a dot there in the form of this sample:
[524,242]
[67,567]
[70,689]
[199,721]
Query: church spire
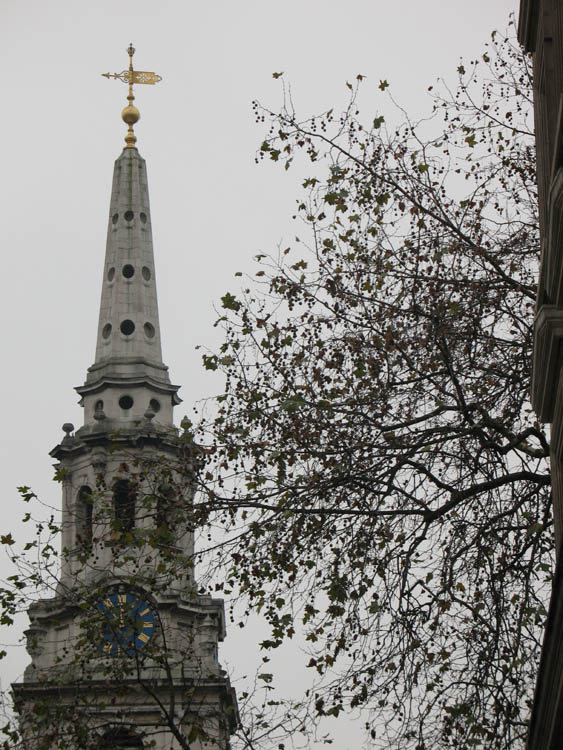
[128,359]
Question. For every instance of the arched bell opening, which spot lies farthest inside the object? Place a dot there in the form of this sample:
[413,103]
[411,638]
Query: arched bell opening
[84,514]
[124,501]
[165,508]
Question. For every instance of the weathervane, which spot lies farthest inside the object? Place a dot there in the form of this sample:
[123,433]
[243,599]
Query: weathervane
[131,114]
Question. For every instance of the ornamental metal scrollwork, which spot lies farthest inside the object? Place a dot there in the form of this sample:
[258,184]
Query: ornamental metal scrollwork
[135,76]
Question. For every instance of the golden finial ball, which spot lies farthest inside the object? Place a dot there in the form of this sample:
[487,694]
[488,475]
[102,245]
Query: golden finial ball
[130,114]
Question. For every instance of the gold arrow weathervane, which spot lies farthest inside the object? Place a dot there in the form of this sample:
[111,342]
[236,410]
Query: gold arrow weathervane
[131,114]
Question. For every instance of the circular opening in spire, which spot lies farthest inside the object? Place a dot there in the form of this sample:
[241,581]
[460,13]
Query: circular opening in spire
[114,218]
[155,405]
[106,331]
[128,215]
[126,402]
[128,271]
[111,274]
[149,330]
[127,327]
[146,273]
[143,217]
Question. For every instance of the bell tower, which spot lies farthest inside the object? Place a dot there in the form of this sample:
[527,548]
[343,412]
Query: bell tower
[124,654]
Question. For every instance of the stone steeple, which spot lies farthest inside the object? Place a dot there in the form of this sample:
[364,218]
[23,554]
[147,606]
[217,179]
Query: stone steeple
[128,380]
[125,653]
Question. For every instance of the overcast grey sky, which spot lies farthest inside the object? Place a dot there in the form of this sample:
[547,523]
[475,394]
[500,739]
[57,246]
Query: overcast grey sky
[212,207]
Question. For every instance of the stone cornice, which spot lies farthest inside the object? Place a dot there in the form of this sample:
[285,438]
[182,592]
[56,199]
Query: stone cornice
[136,700]
[115,435]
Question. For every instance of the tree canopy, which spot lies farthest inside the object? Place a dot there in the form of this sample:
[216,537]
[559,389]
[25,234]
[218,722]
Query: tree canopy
[373,473]
[375,443]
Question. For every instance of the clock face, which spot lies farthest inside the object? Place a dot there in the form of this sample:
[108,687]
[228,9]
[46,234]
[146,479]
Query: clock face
[128,623]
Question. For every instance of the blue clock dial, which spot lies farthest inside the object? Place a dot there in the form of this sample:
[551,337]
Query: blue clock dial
[128,623]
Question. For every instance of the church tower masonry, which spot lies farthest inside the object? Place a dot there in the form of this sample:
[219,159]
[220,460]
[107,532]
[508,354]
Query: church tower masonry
[124,654]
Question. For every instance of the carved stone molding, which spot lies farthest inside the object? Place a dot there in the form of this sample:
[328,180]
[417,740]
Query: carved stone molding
[552,260]
[548,327]
[528,24]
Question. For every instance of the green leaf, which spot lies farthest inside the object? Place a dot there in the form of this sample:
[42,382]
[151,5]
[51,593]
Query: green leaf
[230,302]
[383,85]
[310,182]
[27,494]
[210,362]
[292,404]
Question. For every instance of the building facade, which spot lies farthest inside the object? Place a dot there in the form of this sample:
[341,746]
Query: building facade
[124,654]
[540,31]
